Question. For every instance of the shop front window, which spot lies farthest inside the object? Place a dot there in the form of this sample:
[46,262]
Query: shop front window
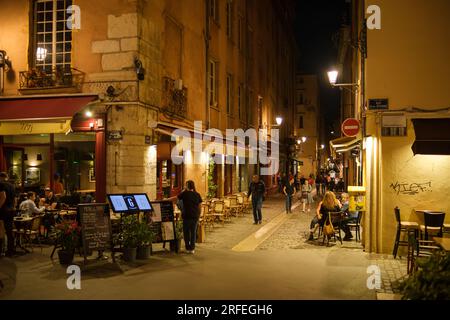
[169,178]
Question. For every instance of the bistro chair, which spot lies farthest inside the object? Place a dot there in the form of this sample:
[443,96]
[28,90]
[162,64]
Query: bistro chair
[356,226]
[31,232]
[218,211]
[234,207]
[240,202]
[336,220]
[418,251]
[434,223]
[205,217]
[403,227]
[446,228]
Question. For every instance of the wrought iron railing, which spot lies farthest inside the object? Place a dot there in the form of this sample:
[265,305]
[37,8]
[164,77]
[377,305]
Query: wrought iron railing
[38,79]
[174,100]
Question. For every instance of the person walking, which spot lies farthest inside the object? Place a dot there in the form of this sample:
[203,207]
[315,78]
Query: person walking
[190,214]
[318,182]
[257,190]
[306,190]
[289,191]
[7,212]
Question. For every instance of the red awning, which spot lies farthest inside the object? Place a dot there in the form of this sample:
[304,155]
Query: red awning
[41,108]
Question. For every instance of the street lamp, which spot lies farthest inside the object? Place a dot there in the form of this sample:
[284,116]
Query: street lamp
[322,146]
[279,120]
[303,139]
[332,78]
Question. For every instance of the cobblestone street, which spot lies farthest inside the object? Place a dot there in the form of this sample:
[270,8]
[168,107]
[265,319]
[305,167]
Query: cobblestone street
[293,235]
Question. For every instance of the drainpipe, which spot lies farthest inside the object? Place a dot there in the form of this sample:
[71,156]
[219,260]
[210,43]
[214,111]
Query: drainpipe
[207,37]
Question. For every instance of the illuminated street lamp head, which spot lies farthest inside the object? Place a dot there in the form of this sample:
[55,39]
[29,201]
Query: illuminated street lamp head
[279,120]
[322,146]
[41,54]
[332,76]
[303,139]
[299,141]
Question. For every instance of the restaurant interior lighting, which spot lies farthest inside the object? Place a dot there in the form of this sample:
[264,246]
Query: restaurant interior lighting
[41,54]
[88,114]
[279,120]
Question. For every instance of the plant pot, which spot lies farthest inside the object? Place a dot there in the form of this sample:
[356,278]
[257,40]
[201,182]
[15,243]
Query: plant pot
[65,257]
[129,254]
[143,252]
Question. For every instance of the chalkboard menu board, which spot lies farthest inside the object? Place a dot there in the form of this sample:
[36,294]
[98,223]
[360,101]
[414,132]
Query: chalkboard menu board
[95,226]
[162,221]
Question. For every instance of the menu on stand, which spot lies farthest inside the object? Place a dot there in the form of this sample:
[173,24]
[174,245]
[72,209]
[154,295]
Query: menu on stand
[163,221]
[95,226]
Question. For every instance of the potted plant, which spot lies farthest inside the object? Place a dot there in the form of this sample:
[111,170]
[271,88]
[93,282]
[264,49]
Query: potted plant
[144,240]
[69,239]
[212,186]
[431,281]
[130,227]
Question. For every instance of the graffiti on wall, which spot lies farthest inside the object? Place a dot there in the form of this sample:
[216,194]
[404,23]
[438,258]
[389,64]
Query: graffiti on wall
[411,188]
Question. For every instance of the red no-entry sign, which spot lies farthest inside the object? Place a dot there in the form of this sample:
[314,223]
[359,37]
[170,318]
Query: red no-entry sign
[350,127]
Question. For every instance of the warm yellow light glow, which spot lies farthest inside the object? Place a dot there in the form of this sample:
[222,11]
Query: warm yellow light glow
[279,120]
[332,76]
[303,139]
[88,114]
[41,54]
[299,141]
[322,146]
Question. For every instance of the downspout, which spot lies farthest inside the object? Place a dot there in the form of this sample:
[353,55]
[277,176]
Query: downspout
[207,37]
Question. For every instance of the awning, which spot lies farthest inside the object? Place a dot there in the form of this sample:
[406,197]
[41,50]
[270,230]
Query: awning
[345,144]
[40,114]
[432,136]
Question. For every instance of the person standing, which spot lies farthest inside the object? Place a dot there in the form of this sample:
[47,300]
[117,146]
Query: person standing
[7,212]
[257,189]
[190,214]
[318,182]
[289,191]
[306,189]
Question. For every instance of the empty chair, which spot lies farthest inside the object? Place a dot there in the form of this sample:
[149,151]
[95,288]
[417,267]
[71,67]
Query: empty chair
[434,223]
[218,211]
[234,206]
[446,228]
[402,228]
[418,250]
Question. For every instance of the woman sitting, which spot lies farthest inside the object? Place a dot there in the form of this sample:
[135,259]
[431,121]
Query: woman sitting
[328,204]
[28,207]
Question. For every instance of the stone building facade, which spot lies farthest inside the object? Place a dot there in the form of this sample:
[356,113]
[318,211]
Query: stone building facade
[155,66]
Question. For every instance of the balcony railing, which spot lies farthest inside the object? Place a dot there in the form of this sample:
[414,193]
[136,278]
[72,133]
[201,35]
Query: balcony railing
[174,100]
[61,80]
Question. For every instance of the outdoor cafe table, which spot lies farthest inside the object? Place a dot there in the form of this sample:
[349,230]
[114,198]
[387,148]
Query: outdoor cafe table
[444,243]
[22,223]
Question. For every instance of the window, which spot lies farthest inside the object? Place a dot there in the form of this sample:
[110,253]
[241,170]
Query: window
[229,94]
[300,123]
[214,10]
[52,38]
[212,83]
[229,10]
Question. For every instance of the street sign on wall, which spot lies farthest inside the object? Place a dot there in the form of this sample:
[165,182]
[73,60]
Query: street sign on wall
[350,127]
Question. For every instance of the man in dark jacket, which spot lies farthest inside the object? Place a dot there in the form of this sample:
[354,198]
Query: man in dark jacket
[7,212]
[257,190]
[190,213]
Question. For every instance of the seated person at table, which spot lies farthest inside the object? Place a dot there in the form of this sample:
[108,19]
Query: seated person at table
[328,204]
[49,201]
[28,207]
[349,217]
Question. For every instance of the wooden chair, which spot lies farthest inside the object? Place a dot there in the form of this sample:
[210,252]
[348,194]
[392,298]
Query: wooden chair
[218,211]
[240,202]
[246,204]
[402,228]
[33,232]
[233,206]
[418,250]
[434,223]
[446,228]
[356,226]
[205,217]
[336,220]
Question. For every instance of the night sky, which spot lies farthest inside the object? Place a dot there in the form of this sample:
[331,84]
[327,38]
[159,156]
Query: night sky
[316,23]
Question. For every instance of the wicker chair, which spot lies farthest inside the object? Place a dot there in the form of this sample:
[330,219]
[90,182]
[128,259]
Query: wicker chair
[218,211]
